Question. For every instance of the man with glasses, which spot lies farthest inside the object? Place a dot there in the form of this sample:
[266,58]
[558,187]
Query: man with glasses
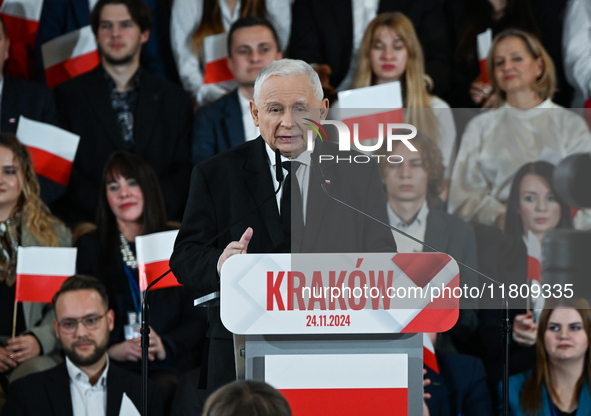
[94,385]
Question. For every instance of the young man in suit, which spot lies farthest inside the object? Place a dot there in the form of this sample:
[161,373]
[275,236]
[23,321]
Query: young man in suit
[121,106]
[252,44]
[86,383]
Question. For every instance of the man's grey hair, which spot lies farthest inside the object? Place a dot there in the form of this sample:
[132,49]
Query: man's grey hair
[288,68]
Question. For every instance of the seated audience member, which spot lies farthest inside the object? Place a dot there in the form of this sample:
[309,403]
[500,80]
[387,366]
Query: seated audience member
[412,189]
[130,205]
[59,17]
[528,126]
[20,97]
[559,383]
[460,386]
[577,50]
[194,20]
[252,44]
[87,382]
[335,43]
[533,208]
[121,106]
[24,221]
[246,398]
[390,51]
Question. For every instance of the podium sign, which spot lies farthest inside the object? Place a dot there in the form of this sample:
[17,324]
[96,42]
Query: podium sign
[350,293]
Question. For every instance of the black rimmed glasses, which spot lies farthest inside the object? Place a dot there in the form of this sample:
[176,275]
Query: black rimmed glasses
[90,322]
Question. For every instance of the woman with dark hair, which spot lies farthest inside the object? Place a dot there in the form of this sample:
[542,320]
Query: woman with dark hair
[533,209]
[130,205]
[24,221]
[527,126]
[559,383]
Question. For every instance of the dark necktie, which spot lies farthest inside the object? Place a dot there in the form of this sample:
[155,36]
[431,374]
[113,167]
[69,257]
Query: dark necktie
[292,217]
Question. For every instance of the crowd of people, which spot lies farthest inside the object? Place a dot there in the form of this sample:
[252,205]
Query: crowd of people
[478,187]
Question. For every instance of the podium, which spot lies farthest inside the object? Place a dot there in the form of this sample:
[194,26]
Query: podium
[339,334]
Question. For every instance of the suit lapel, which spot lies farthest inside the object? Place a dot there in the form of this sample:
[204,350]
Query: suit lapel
[58,390]
[233,120]
[114,392]
[8,101]
[258,181]
[146,113]
[97,92]
[437,233]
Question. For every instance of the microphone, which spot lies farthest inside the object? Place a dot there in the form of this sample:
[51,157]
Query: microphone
[571,180]
[278,168]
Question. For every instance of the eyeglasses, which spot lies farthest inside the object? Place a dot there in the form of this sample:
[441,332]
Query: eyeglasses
[90,322]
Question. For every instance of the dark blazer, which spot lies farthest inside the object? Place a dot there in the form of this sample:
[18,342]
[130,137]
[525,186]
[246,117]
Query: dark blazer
[48,393]
[322,33]
[181,326]
[162,130]
[227,186]
[459,388]
[218,127]
[449,234]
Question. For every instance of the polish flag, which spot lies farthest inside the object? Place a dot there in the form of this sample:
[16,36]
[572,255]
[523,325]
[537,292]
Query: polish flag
[40,272]
[22,21]
[484,41]
[370,106]
[153,254]
[216,59]
[534,271]
[52,149]
[341,384]
[429,358]
[69,55]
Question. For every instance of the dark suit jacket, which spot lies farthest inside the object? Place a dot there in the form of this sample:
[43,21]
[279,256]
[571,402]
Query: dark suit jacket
[451,235]
[227,186]
[322,33]
[162,130]
[218,127]
[459,388]
[48,393]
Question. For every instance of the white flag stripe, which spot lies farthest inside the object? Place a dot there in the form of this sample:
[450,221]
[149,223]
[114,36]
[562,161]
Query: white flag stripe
[338,371]
[427,342]
[215,47]
[533,246]
[484,44]
[46,137]
[377,96]
[47,261]
[70,45]
[155,247]
[25,9]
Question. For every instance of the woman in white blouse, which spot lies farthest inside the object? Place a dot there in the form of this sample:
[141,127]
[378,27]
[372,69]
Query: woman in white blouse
[391,51]
[193,20]
[527,126]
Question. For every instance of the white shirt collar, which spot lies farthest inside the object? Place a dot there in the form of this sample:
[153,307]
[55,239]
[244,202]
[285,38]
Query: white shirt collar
[419,220]
[304,158]
[76,374]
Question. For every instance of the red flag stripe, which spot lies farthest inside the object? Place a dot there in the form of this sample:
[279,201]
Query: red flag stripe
[151,271]
[534,269]
[37,288]
[21,33]
[347,402]
[483,75]
[430,360]
[368,125]
[217,71]
[50,165]
[71,68]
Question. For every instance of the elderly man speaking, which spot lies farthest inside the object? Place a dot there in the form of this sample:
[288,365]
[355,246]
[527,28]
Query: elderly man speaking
[301,218]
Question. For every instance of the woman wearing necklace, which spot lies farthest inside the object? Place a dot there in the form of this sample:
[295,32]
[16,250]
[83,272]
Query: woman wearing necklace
[559,384]
[24,221]
[130,205]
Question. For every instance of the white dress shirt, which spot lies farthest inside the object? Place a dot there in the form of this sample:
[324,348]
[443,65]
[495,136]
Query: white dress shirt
[87,400]
[576,44]
[250,130]
[416,228]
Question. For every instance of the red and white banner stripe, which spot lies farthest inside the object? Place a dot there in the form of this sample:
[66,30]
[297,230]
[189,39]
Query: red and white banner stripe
[52,149]
[22,21]
[429,357]
[40,272]
[153,255]
[484,41]
[534,271]
[370,106]
[216,59]
[69,55]
[341,384]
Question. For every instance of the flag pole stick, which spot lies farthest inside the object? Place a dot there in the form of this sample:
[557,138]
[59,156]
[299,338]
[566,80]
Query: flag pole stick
[14,318]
